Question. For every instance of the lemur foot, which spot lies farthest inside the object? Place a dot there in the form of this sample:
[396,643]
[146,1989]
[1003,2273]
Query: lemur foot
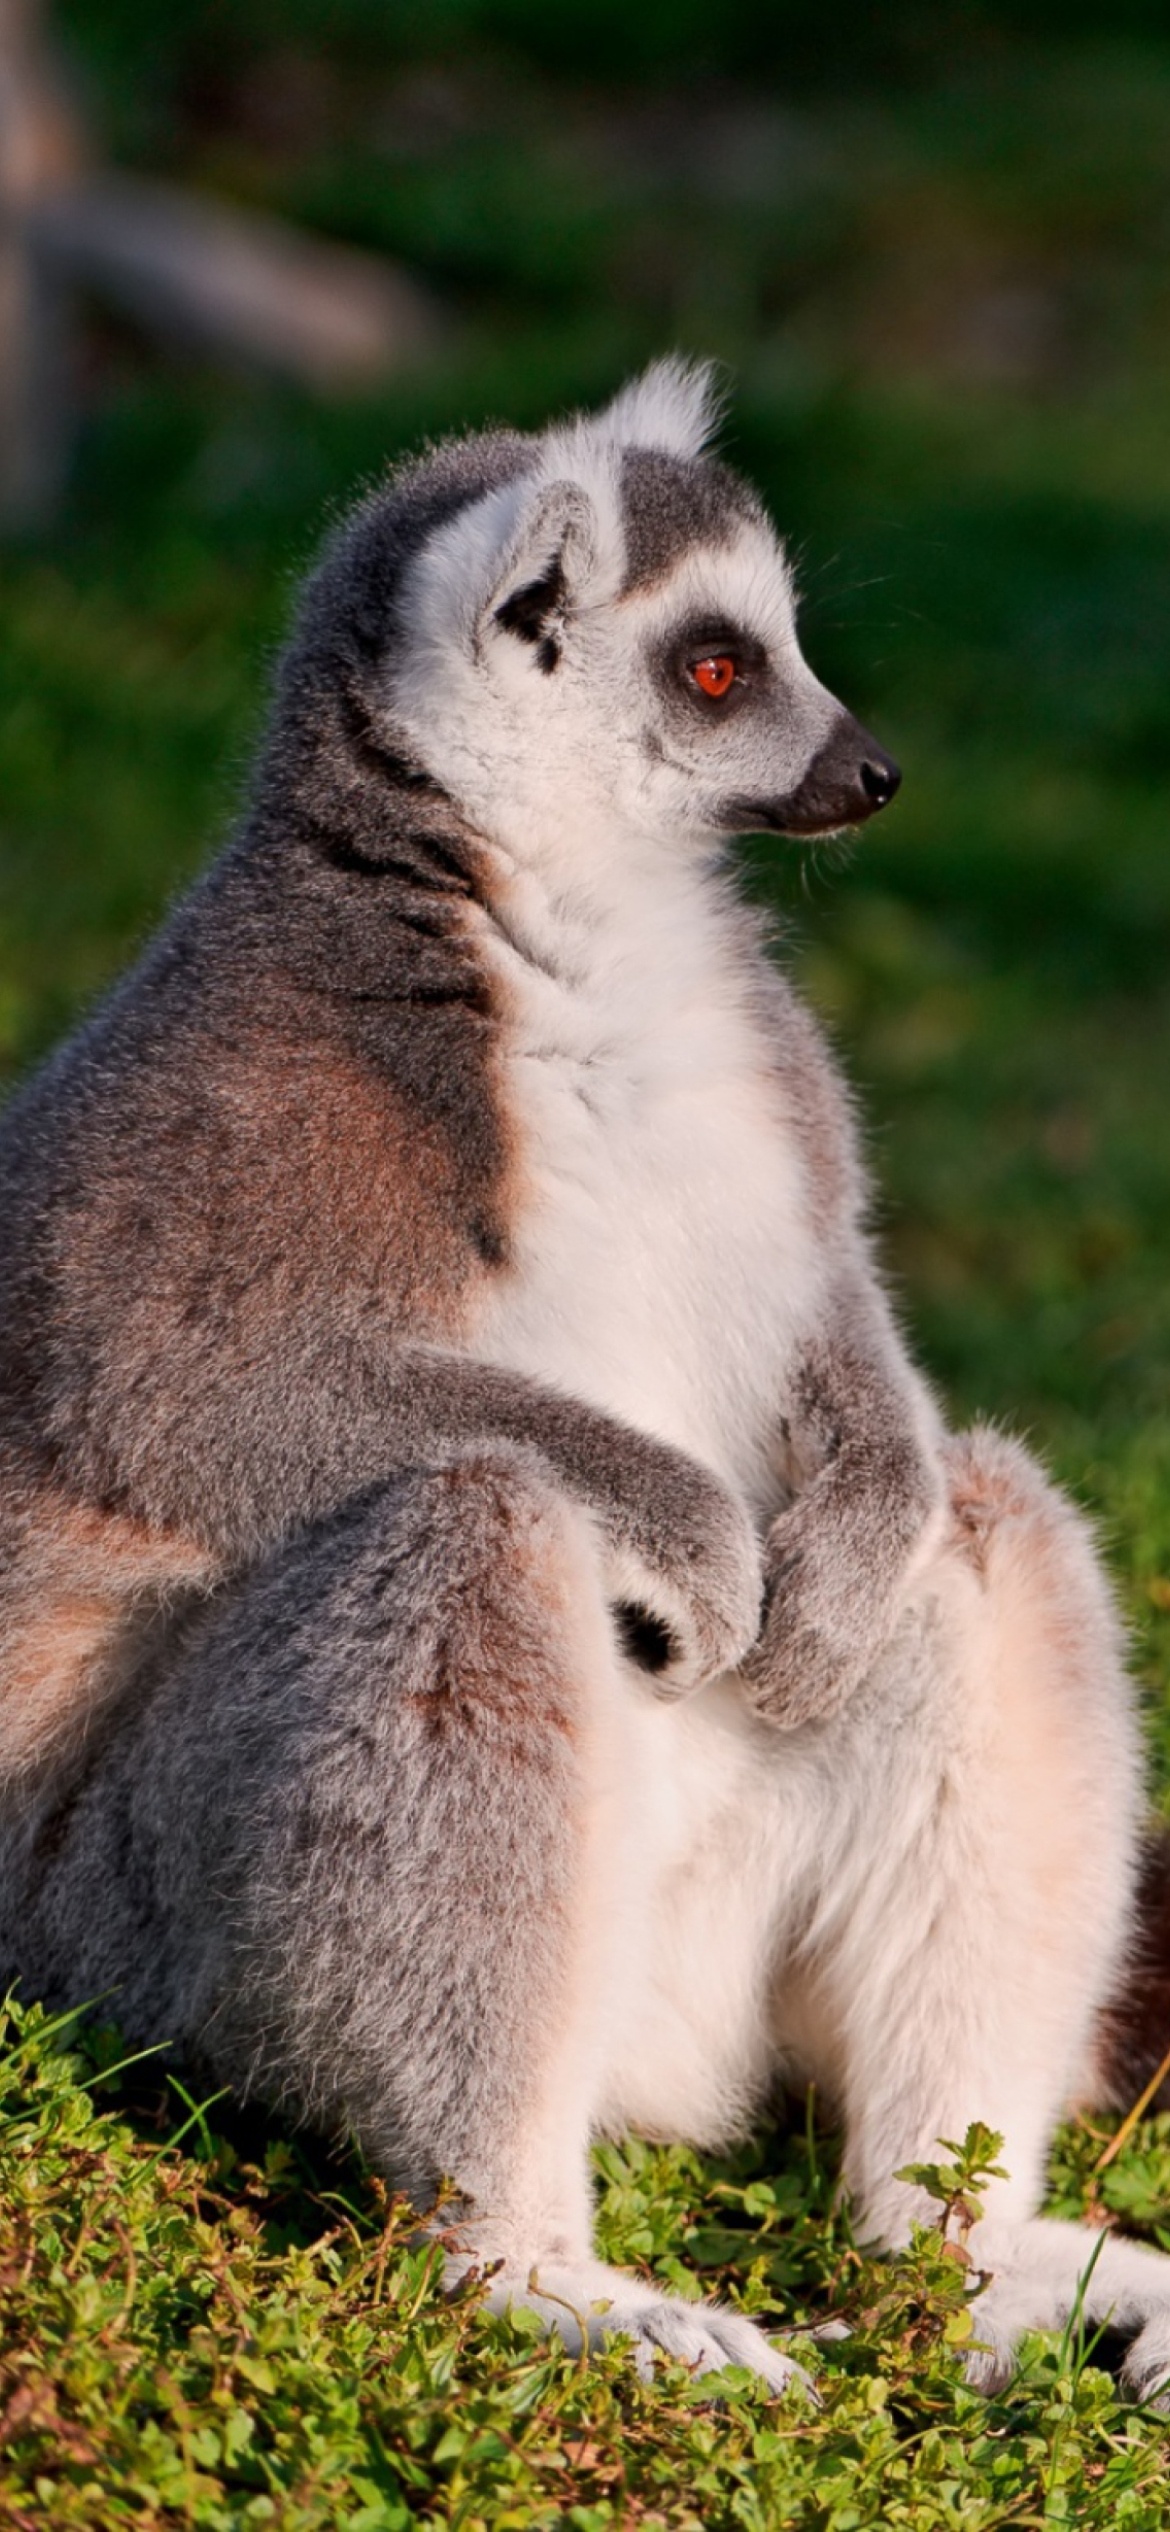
[1042,2272]
[592,2304]
[1146,2371]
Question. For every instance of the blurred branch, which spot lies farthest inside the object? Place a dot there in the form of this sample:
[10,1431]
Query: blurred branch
[41,150]
[238,284]
[245,288]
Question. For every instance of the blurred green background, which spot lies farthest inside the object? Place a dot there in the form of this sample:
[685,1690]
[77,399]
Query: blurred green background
[933,246]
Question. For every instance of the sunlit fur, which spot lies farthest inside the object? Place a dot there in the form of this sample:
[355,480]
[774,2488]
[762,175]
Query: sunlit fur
[396,1830]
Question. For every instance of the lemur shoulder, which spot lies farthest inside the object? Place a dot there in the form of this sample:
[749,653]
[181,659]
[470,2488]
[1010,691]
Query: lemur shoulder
[444,1372]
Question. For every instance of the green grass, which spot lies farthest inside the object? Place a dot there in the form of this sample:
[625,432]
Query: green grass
[220,2336]
[232,2328]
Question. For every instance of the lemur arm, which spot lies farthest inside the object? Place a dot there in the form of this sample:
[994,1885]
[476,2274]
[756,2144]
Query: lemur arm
[682,1562]
[237,1465]
[862,1447]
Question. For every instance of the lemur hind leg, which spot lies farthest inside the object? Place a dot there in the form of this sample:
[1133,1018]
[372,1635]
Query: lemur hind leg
[367,1860]
[979,1905]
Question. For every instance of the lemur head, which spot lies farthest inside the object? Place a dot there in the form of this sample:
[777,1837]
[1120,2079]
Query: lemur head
[595,629]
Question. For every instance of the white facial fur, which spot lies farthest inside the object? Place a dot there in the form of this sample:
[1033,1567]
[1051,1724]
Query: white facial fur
[609,751]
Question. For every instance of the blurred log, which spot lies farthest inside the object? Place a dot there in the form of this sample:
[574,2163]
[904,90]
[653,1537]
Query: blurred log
[41,151]
[246,289]
[243,286]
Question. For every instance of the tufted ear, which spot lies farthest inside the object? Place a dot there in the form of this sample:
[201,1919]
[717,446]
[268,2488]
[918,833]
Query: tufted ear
[542,569]
[675,405]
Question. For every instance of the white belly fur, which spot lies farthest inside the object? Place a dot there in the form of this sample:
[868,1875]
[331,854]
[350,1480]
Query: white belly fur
[665,1266]
[665,1260]
[687,2043]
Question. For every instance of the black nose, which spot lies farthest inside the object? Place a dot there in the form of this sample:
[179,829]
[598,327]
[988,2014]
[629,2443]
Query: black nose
[849,779]
[880,778]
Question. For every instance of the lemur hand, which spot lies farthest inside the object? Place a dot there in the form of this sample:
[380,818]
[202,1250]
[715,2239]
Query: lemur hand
[838,1563]
[684,1569]
[822,1630]
[682,1561]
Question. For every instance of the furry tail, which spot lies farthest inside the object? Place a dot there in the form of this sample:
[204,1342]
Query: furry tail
[1133,2034]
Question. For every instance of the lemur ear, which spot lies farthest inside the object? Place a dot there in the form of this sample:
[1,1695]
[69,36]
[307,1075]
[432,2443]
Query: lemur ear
[547,559]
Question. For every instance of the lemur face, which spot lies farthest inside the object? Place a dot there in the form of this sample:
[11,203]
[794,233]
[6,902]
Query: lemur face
[735,731]
[608,641]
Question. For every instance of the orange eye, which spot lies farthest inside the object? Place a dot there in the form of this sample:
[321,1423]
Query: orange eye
[714,676]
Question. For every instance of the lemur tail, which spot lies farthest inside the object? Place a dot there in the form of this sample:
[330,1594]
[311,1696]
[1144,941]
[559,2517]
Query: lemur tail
[1133,2037]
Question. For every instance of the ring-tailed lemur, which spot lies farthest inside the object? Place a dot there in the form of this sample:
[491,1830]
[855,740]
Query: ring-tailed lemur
[437,1318]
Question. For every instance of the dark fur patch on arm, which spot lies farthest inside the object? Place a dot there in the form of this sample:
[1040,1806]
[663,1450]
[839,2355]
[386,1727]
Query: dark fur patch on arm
[643,1636]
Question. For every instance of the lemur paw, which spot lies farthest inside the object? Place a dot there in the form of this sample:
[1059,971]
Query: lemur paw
[821,1631]
[593,2304]
[795,1675]
[1146,2371]
[687,1606]
[1043,2273]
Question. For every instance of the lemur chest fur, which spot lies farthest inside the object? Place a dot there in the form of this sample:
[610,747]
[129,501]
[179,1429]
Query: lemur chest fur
[663,1254]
